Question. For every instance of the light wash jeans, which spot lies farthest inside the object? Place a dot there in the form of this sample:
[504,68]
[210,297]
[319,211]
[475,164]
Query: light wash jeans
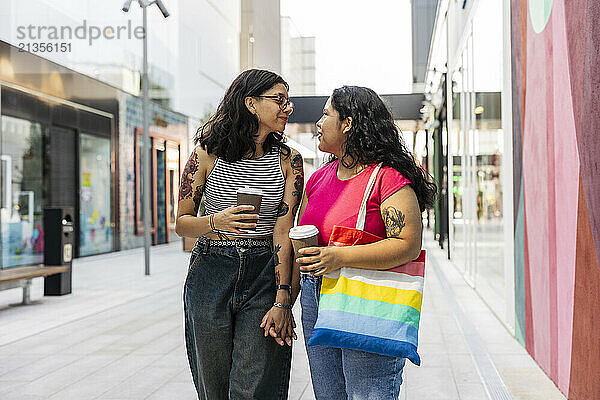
[339,374]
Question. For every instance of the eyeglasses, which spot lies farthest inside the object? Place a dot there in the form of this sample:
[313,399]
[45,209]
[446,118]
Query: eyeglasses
[282,102]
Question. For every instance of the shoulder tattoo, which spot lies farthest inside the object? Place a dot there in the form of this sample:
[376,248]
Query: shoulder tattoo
[393,220]
[187,177]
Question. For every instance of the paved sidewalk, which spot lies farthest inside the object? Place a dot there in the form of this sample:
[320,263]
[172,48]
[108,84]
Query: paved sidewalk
[120,336]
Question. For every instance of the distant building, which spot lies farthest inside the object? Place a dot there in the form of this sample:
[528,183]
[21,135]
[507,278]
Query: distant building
[298,59]
[423,20]
[260,36]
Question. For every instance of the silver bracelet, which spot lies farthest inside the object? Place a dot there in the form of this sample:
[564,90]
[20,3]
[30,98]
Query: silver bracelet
[279,305]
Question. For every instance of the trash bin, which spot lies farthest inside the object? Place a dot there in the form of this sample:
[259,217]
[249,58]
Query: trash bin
[59,237]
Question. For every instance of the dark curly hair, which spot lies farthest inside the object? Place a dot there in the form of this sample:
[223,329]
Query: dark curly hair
[231,131]
[374,138]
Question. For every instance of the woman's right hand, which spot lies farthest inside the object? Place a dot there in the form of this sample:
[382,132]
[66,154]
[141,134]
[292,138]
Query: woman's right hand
[229,219]
[284,333]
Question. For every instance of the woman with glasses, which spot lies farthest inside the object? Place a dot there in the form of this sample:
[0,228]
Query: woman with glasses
[240,268]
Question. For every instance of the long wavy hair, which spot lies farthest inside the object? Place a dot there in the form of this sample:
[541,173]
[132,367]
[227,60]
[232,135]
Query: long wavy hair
[231,132]
[374,138]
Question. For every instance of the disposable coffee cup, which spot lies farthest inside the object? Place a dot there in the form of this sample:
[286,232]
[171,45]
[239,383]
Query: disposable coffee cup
[249,197]
[303,236]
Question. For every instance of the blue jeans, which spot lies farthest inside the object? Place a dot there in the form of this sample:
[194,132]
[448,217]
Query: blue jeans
[340,374]
[226,293]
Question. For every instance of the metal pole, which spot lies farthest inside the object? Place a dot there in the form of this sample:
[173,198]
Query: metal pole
[146,190]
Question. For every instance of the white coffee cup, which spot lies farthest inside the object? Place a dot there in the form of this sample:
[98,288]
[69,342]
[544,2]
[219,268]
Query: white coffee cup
[304,236]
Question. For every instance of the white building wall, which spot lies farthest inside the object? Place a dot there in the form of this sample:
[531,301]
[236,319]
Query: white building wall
[260,38]
[298,59]
[210,53]
[193,54]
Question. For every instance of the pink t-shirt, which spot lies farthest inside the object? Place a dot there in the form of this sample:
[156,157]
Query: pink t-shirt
[332,201]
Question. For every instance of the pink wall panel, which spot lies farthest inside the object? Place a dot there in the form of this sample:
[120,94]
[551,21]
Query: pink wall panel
[566,167]
[557,94]
[535,184]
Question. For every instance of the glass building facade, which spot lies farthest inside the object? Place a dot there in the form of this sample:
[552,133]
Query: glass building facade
[82,151]
[71,119]
[23,191]
[95,228]
[465,85]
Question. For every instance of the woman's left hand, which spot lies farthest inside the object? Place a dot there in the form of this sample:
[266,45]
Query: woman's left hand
[280,324]
[320,260]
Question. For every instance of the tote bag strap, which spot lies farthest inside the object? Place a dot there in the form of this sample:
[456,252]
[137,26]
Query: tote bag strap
[362,212]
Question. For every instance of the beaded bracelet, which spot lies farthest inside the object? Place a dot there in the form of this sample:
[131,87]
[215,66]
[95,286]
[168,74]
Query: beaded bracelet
[279,305]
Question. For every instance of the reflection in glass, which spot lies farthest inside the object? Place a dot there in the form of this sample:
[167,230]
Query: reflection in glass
[476,146]
[172,158]
[95,218]
[23,192]
[457,153]
[489,222]
[161,192]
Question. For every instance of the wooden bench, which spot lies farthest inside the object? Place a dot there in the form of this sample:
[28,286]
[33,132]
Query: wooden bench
[16,277]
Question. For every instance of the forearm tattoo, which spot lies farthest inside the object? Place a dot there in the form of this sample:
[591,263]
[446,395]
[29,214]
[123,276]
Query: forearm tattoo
[298,171]
[198,197]
[283,209]
[187,177]
[276,262]
[393,220]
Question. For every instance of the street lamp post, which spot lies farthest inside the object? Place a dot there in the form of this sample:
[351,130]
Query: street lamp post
[146,141]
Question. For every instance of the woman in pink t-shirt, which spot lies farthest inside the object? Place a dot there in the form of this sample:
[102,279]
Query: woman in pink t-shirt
[358,131]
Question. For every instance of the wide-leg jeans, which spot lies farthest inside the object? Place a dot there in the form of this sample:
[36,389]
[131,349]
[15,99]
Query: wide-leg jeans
[227,292]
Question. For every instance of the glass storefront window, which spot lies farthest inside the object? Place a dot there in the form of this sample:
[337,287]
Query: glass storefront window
[476,145]
[457,154]
[23,192]
[95,184]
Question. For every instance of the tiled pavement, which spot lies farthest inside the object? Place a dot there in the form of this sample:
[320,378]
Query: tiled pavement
[120,336]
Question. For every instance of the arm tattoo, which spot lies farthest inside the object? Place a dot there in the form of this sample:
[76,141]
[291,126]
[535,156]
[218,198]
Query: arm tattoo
[198,197]
[283,209]
[298,171]
[276,262]
[187,177]
[394,221]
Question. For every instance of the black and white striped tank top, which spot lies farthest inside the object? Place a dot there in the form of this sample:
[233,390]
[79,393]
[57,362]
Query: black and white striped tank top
[263,173]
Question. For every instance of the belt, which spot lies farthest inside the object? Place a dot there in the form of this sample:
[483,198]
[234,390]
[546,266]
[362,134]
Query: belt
[204,241]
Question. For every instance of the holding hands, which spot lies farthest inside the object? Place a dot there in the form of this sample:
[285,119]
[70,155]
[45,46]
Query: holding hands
[279,323]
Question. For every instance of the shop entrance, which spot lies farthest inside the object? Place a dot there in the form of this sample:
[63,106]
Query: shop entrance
[164,178]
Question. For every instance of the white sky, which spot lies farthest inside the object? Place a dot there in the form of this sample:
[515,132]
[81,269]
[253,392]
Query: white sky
[358,42]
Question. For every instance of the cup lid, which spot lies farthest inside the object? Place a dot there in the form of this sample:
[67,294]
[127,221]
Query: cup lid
[249,190]
[303,231]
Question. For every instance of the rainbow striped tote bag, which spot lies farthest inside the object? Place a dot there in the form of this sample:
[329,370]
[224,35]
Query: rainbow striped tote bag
[377,311]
